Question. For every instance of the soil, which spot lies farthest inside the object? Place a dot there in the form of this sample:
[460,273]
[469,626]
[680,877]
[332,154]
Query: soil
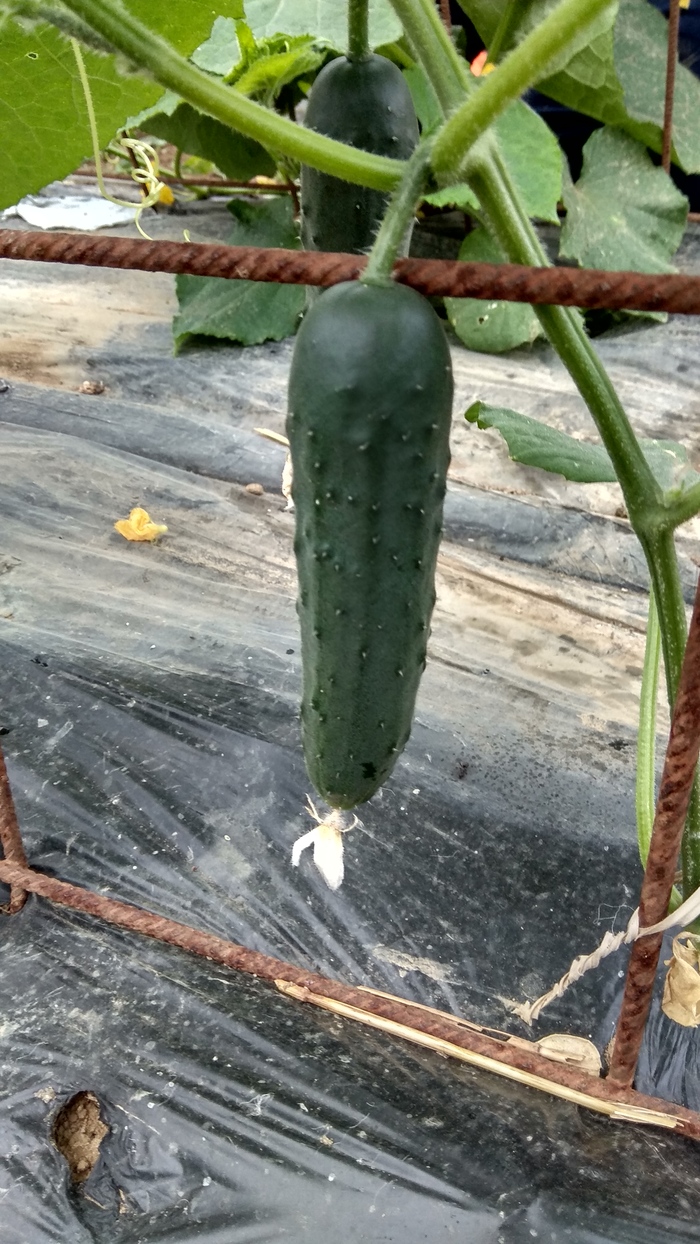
[78,1133]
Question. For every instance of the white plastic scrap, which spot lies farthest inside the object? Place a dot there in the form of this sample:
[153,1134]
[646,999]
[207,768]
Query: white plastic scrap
[78,211]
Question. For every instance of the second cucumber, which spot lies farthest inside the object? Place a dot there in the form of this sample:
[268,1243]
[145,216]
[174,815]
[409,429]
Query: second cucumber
[366,103]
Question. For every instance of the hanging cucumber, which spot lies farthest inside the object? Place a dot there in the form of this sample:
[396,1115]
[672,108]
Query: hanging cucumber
[364,102]
[370,402]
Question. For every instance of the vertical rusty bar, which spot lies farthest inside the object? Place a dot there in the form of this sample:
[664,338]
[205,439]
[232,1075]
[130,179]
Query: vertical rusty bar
[10,837]
[669,820]
[674,14]
[446,15]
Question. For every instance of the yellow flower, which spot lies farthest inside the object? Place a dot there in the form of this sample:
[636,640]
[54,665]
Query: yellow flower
[139,526]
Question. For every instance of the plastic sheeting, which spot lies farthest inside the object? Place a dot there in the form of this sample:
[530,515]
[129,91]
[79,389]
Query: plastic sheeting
[234,1113]
[148,703]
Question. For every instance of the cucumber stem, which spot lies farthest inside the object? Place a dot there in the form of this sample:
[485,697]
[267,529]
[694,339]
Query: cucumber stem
[398,217]
[358,30]
[147,50]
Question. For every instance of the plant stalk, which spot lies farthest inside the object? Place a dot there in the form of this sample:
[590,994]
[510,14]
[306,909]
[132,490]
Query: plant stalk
[149,51]
[511,227]
[358,30]
[643,496]
[650,517]
[398,217]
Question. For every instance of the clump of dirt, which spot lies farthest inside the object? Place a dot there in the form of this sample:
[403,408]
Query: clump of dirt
[78,1133]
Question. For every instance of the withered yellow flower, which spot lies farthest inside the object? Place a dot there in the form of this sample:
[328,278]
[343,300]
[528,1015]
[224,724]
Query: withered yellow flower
[139,526]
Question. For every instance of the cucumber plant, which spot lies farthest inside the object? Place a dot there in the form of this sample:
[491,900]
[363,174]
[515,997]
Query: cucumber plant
[466,148]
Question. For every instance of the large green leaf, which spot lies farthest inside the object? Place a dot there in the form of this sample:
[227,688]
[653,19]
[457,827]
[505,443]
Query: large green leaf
[327,19]
[486,15]
[536,444]
[184,23]
[193,131]
[617,75]
[641,35]
[490,326]
[623,212]
[534,161]
[245,311]
[43,118]
[588,83]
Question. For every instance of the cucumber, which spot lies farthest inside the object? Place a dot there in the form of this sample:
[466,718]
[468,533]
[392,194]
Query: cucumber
[370,403]
[367,104]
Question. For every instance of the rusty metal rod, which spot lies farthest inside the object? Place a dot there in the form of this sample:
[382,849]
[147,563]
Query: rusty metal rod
[671,809]
[674,14]
[10,838]
[266,967]
[574,287]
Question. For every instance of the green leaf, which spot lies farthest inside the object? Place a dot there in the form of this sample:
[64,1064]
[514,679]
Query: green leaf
[425,101]
[536,444]
[326,19]
[641,36]
[486,15]
[273,67]
[588,83]
[461,196]
[220,52]
[639,228]
[245,311]
[490,326]
[43,118]
[182,22]
[534,160]
[618,75]
[193,131]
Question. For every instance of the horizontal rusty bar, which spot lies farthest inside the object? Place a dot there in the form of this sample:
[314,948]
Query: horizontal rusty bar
[573,287]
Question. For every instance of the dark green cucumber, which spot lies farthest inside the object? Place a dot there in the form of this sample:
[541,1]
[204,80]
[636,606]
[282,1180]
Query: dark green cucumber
[367,104]
[370,402]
